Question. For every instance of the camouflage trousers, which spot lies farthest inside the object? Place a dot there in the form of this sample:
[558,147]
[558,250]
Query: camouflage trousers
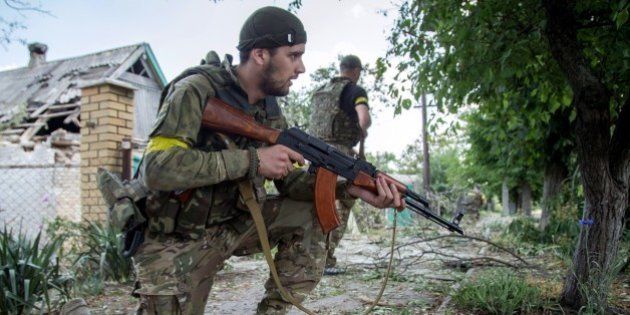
[343,210]
[344,207]
[175,276]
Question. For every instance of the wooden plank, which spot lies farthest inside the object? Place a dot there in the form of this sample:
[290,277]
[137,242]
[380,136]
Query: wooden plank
[127,63]
[30,132]
[58,114]
[63,106]
[12,131]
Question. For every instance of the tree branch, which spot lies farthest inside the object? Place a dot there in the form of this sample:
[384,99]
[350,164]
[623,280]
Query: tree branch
[464,237]
[20,6]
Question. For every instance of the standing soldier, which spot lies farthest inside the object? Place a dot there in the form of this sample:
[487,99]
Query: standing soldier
[341,117]
[196,219]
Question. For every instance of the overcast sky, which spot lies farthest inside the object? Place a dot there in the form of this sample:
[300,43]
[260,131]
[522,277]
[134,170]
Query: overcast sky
[181,32]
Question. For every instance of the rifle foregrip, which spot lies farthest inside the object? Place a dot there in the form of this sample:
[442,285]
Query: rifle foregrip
[368,182]
[365,181]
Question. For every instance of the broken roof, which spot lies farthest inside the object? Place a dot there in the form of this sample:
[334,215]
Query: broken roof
[32,95]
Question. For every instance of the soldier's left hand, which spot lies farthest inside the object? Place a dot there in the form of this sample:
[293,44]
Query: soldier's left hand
[387,196]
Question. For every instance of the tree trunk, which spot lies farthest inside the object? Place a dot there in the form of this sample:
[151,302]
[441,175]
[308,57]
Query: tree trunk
[526,198]
[604,163]
[505,197]
[555,173]
[426,167]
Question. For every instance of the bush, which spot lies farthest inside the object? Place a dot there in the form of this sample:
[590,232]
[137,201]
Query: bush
[498,292]
[30,275]
[560,232]
[95,254]
[102,253]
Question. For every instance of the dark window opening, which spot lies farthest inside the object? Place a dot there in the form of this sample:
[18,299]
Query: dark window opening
[139,69]
[55,123]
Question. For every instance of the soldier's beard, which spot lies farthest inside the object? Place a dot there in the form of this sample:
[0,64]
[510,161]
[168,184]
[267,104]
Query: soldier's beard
[272,86]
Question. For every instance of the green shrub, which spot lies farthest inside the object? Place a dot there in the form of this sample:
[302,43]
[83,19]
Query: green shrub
[102,253]
[562,233]
[30,277]
[498,292]
[95,254]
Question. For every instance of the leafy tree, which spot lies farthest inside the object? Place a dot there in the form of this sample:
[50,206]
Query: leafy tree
[563,67]
[384,161]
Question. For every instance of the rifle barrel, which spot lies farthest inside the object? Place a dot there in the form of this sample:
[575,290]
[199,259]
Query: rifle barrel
[419,208]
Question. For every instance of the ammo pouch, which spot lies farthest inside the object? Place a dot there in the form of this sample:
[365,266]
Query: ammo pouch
[125,201]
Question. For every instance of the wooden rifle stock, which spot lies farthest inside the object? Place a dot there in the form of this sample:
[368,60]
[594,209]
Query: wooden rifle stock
[221,117]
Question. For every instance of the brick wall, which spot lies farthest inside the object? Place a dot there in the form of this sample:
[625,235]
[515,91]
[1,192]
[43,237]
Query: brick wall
[106,118]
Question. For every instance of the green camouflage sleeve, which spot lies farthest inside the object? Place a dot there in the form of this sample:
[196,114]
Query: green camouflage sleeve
[171,162]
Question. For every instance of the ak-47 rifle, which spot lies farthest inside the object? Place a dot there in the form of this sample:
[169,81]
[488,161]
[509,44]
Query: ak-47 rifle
[325,161]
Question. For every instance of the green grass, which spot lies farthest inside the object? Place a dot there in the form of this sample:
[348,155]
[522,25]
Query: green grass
[498,292]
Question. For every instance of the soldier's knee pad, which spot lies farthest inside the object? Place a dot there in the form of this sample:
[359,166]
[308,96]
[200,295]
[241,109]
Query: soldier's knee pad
[160,304]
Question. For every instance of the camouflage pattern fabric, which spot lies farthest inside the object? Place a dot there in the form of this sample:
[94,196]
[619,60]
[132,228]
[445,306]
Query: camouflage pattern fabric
[176,275]
[328,121]
[200,160]
[344,207]
[120,197]
[196,220]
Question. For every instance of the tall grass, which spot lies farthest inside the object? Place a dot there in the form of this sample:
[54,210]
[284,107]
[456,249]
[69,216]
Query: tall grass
[30,277]
[499,292]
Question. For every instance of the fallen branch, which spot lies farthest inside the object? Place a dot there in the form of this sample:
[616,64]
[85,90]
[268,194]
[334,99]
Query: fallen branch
[424,240]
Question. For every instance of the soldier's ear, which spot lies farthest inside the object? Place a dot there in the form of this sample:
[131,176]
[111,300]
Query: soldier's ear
[259,56]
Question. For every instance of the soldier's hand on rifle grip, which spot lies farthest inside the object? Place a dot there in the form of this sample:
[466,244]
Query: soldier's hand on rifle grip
[387,196]
[277,161]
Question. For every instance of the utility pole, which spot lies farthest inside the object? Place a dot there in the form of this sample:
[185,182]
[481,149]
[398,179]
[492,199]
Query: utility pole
[426,168]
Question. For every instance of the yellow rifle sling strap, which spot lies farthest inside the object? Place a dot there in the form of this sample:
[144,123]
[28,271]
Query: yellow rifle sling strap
[255,209]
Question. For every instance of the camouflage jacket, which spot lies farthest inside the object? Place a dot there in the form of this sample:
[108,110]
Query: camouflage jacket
[191,174]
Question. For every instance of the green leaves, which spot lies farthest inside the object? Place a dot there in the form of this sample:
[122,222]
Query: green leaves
[28,271]
[620,17]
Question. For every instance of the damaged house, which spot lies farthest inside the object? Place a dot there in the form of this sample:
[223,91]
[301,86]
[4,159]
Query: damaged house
[61,120]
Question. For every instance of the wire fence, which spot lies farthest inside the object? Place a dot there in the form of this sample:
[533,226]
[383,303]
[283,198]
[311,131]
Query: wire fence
[32,195]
